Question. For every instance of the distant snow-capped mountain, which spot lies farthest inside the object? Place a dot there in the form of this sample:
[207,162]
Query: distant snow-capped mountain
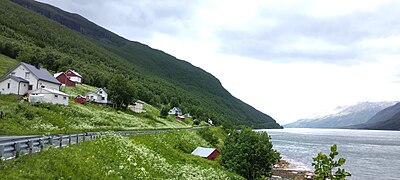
[342,116]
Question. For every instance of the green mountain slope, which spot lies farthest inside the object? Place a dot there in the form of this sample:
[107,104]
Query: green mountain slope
[70,41]
[6,63]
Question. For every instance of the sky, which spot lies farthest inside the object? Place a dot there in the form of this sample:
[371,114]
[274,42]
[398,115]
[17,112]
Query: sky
[289,59]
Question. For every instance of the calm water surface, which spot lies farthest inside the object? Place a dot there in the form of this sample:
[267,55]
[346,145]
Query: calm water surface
[369,154]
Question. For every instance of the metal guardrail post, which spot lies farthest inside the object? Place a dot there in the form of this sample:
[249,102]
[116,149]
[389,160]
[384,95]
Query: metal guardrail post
[30,146]
[84,137]
[77,138]
[17,147]
[51,140]
[41,146]
[69,139]
[61,140]
[1,151]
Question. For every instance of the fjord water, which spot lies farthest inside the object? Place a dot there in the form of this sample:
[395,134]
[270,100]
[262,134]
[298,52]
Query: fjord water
[369,154]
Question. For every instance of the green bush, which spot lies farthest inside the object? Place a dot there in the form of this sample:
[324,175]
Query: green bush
[325,165]
[209,136]
[249,154]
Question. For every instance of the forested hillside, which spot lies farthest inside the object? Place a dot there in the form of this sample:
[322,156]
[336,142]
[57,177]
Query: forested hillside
[59,40]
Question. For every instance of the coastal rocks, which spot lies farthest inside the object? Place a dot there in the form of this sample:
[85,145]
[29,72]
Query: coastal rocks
[282,171]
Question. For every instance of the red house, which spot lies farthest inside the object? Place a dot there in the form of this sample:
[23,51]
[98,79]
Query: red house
[62,78]
[208,153]
[80,99]
[74,76]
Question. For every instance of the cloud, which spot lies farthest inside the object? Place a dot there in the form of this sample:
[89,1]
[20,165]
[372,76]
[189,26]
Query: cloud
[287,58]
[136,20]
[296,35]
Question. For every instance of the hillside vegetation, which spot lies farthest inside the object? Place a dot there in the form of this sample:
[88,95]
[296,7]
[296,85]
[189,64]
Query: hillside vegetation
[156,156]
[21,118]
[6,64]
[59,41]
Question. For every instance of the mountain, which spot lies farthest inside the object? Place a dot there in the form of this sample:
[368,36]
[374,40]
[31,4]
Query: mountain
[387,119]
[342,116]
[34,32]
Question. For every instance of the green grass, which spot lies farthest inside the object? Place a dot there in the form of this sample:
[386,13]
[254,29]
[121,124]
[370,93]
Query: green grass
[155,156]
[21,118]
[79,89]
[6,64]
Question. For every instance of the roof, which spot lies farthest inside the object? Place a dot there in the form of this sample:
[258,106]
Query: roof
[76,73]
[57,74]
[104,89]
[41,73]
[140,102]
[176,109]
[15,78]
[203,152]
[53,91]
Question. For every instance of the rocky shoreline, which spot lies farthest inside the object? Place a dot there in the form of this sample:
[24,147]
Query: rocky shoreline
[283,171]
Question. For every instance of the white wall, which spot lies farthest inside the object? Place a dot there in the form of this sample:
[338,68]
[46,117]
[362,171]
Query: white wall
[48,85]
[75,79]
[23,87]
[90,98]
[51,98]
[21,70]
[102,96]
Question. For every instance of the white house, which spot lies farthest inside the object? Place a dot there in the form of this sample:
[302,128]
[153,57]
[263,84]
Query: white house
[137,107]
[47,95]
[13,85]
[210,122]
[100,97]
[25,77]
[175,111]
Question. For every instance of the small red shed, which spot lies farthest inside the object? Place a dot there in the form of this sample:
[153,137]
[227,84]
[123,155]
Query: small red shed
[208,153]
[80,99]
[180,118]
[62,78]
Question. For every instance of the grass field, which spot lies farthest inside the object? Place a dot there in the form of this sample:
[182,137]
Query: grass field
[155,156]
[22,118]
[6,64]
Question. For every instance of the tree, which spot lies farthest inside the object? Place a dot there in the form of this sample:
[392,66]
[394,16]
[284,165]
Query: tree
[164,111]
[324,166]
[249,154]
[121,91]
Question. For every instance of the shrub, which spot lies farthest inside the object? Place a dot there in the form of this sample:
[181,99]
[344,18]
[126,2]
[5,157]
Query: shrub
[324,166]
[209,136]
[249,154]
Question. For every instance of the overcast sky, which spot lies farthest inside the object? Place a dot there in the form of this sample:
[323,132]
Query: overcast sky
[288,59]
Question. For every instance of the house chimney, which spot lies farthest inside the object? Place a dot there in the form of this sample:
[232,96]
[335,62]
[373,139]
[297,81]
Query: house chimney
[37,66]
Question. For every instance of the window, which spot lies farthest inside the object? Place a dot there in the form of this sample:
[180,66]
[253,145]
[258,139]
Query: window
[55,95]
[30,87]
[8,86]
[27,75]
[103,98]
[64,98]
[100,92]
[42,86]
